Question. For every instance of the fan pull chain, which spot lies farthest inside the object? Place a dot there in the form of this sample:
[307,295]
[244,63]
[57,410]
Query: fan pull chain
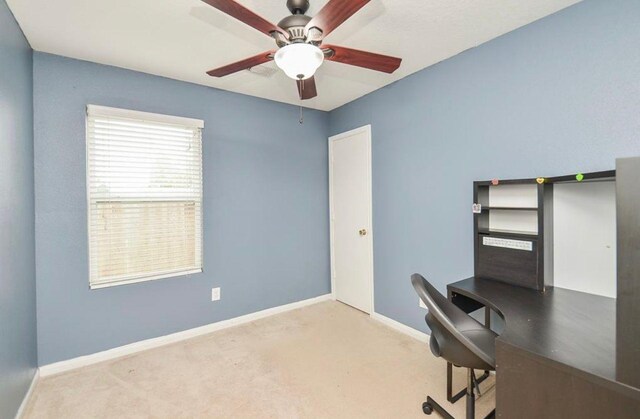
[301,120]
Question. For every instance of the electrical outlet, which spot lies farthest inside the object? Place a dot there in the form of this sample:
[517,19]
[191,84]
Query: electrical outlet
[215,294]
[421,304]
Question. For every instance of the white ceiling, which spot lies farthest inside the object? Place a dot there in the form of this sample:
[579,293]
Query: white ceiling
[182,39]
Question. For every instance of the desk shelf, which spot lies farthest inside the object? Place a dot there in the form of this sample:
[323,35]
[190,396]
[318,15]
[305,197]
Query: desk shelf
[510,208]
[519,209]
[510,233]
[513,209]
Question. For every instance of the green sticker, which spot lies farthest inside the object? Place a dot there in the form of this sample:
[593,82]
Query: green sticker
[579,177]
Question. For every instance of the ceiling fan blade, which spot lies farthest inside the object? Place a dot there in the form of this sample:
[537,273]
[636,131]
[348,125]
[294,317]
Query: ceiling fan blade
[245,15]
[245,64]
[307,88]
[334,13]
[364,59]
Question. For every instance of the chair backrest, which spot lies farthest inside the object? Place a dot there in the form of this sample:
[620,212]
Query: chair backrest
[451,329]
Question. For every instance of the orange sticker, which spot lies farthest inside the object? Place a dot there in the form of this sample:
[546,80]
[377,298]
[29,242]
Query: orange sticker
[495,181]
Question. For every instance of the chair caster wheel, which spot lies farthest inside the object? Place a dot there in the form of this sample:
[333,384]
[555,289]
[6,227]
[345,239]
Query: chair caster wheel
[427,408]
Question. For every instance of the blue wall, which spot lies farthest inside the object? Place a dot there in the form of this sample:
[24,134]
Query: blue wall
[266,233]
[17,247]
[558,96]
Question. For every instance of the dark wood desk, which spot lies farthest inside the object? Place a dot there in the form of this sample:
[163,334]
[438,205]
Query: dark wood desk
[556,357]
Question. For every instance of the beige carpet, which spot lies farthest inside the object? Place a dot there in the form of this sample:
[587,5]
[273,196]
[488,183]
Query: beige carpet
[323,361]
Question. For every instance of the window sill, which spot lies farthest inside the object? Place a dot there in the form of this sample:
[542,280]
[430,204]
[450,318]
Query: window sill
[144,279]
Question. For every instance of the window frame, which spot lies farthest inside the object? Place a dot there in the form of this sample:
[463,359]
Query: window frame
[96,110]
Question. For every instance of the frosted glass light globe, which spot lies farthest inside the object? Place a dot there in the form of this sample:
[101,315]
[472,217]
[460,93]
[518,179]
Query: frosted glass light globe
[299,61]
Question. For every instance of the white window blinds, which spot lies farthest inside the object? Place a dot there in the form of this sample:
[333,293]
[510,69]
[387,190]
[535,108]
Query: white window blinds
[144,190]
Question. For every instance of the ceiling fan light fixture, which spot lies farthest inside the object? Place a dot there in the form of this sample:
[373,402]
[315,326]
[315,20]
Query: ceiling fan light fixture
[299,61]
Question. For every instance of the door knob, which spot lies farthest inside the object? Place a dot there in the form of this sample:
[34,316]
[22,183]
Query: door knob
[363,232]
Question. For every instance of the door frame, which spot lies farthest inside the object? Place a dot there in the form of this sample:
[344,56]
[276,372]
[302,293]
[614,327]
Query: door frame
[367,130]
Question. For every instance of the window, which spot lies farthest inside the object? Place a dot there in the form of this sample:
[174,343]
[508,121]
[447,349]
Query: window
[144,191]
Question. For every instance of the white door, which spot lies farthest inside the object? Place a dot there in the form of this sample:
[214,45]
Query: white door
[350,200]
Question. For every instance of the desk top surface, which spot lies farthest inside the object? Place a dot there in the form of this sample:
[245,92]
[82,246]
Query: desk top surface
[570,327]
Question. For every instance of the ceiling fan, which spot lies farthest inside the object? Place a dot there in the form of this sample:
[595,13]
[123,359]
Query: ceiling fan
[299,39]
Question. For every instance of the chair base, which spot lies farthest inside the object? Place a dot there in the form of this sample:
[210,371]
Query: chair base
[431,405]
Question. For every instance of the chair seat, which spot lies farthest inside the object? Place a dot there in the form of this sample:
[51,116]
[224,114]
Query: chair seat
[485,340]
[455,335]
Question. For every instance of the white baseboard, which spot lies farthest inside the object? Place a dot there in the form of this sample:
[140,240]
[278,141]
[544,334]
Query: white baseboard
[25,400]
[414,333]
[143,345]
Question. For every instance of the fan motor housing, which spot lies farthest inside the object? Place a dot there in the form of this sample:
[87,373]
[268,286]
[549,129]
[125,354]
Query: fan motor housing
[294,25]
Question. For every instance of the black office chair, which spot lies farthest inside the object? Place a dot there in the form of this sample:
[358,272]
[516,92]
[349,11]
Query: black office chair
[458,338]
